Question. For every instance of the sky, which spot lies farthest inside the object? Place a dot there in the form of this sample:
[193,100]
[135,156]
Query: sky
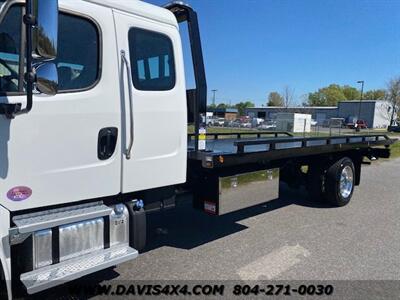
[253,47]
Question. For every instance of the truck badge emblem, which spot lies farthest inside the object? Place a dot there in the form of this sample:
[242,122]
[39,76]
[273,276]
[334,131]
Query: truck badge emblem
[19,193]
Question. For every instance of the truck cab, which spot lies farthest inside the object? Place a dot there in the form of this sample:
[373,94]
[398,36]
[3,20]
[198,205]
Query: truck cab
[94,115]
[117,125]
[109,77]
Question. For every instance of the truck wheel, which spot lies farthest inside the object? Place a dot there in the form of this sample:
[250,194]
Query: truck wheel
[340,179]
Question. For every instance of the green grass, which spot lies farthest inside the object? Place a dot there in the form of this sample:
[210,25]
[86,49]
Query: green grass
[395,150]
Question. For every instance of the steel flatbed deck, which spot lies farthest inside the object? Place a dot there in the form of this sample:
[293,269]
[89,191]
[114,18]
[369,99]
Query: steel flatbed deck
[262,147]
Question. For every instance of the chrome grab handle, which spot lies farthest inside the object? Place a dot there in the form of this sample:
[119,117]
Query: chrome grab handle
[129,74]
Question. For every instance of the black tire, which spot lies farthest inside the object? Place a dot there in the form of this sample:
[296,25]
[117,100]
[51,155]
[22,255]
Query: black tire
[316,183]
[332,185]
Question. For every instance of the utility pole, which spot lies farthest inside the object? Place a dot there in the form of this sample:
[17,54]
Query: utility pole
[214,92]
[361,98]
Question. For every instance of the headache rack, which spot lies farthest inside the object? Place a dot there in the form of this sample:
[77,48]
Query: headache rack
[239,151]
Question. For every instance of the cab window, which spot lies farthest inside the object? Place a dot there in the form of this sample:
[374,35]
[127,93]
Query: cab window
[10,49]
[78,56]
[152,60]
[78,53]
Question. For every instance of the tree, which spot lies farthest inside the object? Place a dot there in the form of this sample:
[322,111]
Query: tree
[351,93]
[222,106]
[393,97]
[241,106]
[287,95]
[327,96]
[375,95]
[275,99]
[211,106]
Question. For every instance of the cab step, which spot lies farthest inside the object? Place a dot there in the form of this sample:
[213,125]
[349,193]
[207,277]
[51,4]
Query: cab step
[55,217]
[54,275]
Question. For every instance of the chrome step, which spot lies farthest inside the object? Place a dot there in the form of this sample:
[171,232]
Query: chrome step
[75,268]
[56,217]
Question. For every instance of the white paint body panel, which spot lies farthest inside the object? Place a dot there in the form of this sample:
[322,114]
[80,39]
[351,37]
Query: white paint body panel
[141,9]
[160,132]
[5,257]
[53,149]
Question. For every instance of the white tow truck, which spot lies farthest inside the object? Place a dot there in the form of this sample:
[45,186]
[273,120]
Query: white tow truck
[82,160]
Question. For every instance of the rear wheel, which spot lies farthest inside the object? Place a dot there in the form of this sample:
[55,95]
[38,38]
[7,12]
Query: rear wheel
[340,179]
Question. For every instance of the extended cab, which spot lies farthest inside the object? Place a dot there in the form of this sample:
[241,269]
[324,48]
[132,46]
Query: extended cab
[82,160]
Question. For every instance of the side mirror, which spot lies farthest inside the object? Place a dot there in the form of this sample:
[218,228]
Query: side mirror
[41,24]
[45,30]
[47,78]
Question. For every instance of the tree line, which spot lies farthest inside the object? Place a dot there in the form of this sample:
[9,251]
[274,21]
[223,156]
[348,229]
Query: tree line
[241,106]
[334,93]
[325,96]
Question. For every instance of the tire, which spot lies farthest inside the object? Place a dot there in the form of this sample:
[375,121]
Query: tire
[340,181]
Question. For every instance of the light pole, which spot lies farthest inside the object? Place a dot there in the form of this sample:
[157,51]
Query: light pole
[361,98]
[214,91]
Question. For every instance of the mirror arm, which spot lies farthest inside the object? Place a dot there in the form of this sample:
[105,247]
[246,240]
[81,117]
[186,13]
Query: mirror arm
[29,21]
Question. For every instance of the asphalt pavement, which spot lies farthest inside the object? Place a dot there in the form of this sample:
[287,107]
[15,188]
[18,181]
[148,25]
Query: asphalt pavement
[290,238]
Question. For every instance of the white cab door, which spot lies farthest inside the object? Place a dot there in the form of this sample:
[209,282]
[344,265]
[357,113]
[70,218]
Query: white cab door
[154,54]
[53,150]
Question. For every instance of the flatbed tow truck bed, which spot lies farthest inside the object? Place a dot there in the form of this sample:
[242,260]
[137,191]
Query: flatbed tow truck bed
[262,147]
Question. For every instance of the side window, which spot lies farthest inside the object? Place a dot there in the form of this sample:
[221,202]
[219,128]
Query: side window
[10,48]
[152,60]
[77,60]
[78,53]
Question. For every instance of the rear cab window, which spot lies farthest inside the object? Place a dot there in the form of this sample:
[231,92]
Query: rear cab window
[152,60]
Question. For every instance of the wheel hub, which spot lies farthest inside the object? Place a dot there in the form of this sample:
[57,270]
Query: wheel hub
[346,181]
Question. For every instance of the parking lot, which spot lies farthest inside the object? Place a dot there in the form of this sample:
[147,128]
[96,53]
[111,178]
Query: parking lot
[291,238]
[287,238]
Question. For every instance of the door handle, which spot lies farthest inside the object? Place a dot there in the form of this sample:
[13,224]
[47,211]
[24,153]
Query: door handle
[107,142]
[130,82]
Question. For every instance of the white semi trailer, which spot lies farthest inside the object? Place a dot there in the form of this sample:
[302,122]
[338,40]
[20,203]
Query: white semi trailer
[82,160]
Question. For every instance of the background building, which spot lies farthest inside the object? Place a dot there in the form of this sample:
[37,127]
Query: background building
[230,114]
[375,112]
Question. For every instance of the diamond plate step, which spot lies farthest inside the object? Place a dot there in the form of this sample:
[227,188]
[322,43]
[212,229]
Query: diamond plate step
[75,268]
[56,217]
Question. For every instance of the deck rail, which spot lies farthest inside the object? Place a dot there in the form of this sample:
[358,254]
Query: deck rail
[305,141]
[240,135]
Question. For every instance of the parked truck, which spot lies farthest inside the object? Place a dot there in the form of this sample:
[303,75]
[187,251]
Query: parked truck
[81,160]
